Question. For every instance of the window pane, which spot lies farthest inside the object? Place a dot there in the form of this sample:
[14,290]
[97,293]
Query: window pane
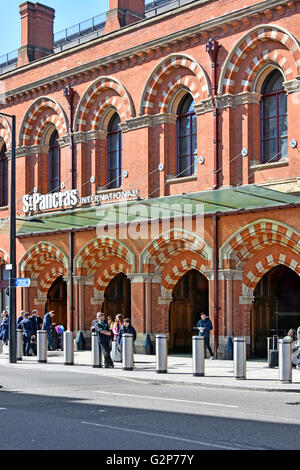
[183,166]
[184,146]
[284,147]
[283,126]
[270,151]
[184,126]
[194,125]
[270,128]
[283,104]
[269,106]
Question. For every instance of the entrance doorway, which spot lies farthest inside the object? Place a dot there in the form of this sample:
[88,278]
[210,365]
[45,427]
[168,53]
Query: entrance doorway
[57,301]
[276,307]
[117,297]
[190,299]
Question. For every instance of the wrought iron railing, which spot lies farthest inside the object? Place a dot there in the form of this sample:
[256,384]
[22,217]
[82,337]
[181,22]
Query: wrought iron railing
[9,58]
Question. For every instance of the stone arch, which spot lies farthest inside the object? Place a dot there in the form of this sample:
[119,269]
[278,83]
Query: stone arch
[159,251]
[118,97]
[43,112]
[158,91]
[39,257]
[232,81]
[253,238]
[5,132]
[87,260]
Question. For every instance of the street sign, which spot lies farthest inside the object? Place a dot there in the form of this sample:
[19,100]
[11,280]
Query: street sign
[24,282]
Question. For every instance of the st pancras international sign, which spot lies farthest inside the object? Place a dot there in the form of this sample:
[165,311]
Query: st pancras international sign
[68,199]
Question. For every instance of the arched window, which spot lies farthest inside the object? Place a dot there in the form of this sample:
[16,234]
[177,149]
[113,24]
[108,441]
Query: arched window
[54,164]
[3,177]
[114,153]
[186,137]
[274,145]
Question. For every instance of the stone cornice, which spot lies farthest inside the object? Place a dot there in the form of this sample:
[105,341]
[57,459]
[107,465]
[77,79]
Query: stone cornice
[231,101]
[146,51]
[292,86]
[148,121]
[84,137]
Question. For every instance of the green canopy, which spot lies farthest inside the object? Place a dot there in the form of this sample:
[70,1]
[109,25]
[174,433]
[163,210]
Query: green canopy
[204,203]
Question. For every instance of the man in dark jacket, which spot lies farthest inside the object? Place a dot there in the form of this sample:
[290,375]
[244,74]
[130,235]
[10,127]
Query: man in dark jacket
[104,337]
[205,326]
[47,326]
[126,328]
[27,329]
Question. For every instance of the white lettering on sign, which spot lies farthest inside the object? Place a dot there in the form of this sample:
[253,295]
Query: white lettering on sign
[43,202]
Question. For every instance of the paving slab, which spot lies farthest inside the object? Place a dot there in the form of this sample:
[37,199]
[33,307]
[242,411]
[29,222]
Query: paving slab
[218,373]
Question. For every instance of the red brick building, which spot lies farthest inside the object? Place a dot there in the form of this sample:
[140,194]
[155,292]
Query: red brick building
[171,106]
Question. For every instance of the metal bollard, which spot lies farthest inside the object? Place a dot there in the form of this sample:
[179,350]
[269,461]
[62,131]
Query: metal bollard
[127,351]
[68,348]
[161,354]
[285,360]
[96,352]
[239,356]
[198,356]
[19,345]
[42,346]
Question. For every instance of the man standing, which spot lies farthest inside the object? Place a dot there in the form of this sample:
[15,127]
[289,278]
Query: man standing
[205,327]
[104,337]
[27,329]
[20,319]
[47,326]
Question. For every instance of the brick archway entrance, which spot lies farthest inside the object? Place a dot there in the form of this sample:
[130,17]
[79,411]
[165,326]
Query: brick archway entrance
[57,301]
[190,297]
[117,297]
[276,307]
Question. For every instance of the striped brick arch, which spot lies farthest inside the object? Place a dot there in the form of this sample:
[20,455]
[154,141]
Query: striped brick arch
[4,258]
[87,261]
[41,114]
[47,278]
[256,237]
[41,256]
[267,262]
[109,269]
[233,81]
[104,92]
[158,91]
[177,268]
[160,251]
[5,132]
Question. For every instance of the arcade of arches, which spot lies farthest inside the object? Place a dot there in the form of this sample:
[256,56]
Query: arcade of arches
[165,286]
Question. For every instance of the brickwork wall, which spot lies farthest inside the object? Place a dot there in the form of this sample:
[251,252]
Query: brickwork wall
[141,81]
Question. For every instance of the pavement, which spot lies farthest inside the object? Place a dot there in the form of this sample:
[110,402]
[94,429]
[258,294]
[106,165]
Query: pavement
[218,373]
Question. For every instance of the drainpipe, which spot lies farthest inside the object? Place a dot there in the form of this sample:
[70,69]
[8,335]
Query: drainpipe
[212,47]
[69,94]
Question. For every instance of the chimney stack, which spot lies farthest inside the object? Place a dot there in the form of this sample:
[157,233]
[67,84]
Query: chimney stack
[124,12]
[37,32]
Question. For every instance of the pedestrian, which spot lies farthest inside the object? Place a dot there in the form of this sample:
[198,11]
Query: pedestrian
[104,336]
[110,324]
[128,329]
[47,326]
[27,329]
[94,323]
[35,328]
[117,325]
[38,320]
[20,318]
[4,327]
[205,326]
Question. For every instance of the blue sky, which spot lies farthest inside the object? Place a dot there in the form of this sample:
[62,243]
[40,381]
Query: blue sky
[68,12]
